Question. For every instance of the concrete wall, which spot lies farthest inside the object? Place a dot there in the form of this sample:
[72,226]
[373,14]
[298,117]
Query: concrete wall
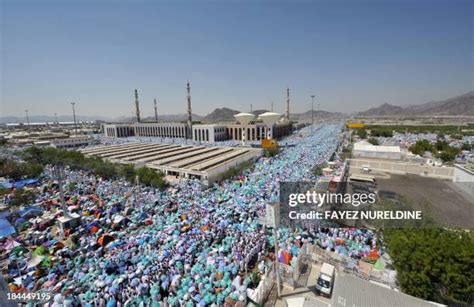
[403,168]
[464,179]
[376,154]
[214,173]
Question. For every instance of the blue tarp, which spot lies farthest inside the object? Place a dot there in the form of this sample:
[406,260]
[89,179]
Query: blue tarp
[30,212]
[19,183]
[6,228]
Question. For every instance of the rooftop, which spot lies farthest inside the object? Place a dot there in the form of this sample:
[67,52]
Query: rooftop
[351,291]
[364,146]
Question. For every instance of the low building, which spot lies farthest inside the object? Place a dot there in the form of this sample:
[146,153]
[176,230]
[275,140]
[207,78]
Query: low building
[365,150]
[72,142]
[180,161]
[354,291]
[200,133]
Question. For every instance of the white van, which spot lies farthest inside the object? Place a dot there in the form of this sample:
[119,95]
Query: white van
[325,280]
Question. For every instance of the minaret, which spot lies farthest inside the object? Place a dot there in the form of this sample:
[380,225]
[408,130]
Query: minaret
[137,106]
[190,117]
[156,111]
[287,113]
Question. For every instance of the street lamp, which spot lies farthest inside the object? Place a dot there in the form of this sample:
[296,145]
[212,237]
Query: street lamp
[74,116]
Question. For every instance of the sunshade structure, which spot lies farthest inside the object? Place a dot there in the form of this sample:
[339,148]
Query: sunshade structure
[19,183]
[30,212]
[6,229]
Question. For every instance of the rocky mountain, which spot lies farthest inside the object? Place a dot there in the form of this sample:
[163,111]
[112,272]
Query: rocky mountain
[220,115]
[462,105]
[227,115]
[317,114]
[385,109]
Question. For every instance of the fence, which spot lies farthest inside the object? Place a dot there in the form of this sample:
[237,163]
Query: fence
[259,295]
[361,269]
[289,274]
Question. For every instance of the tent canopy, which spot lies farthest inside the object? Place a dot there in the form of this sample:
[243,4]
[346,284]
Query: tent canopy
[6,229]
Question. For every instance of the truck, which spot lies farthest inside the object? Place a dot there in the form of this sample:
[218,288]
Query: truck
[325,280]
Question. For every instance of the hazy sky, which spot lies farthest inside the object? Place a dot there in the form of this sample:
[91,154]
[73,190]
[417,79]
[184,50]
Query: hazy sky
[351,54]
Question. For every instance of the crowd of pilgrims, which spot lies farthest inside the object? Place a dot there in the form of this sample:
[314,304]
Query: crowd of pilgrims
[190,245]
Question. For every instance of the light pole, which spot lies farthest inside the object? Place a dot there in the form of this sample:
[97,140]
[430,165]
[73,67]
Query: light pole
[27,119]
[318,112]
[312,112]
[74,116]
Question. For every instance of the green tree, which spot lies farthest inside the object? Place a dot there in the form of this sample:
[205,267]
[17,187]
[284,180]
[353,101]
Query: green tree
[22,197]
[362,133]
[466,146]
[434,264]
[449,154]
[373,141]
[150,177]
[420,147]
[127,171]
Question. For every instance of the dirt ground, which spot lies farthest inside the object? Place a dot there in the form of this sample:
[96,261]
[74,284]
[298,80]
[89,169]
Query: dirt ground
[446,203]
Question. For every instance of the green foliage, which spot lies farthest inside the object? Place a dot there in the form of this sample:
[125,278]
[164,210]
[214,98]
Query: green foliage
[270,152]
[103,168]
[441,145]
[254,280]
[22,197]
[385,132]
[433,264]
[150,177]
[127,171]
[18,170]
[438,129]
[420,147]
[318,169]
[466,146]
[448,154]
[362,133]
[373,141]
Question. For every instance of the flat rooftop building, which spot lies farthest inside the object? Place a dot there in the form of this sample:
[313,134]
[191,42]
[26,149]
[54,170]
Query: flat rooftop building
[366,150]
[181,161]
[200,133]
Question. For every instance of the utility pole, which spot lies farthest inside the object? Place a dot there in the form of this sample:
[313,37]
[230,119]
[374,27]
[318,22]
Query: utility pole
[27,119]
[312,112]
[74,116]
[318,113]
